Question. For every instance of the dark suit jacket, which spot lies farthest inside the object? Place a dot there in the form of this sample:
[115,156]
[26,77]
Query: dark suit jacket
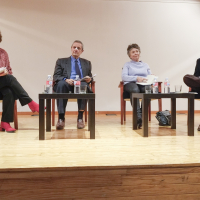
[63,69]
[197,68]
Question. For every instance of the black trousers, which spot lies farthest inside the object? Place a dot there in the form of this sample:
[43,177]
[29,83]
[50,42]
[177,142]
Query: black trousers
[63,87]
[134,88]
[10,89]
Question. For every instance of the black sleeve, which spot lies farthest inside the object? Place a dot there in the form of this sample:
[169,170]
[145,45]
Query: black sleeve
[58,72]
[197,68]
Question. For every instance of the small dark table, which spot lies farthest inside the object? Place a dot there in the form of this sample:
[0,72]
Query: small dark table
[48,97]
[146,98]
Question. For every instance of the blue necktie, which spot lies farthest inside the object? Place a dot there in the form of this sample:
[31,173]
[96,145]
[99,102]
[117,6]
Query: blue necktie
[77,68]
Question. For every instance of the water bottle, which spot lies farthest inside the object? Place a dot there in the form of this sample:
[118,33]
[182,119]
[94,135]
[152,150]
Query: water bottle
[77,84]
[166,86]
[49,84]
[155,85]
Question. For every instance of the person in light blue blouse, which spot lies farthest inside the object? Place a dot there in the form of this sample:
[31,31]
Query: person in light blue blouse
[135,71]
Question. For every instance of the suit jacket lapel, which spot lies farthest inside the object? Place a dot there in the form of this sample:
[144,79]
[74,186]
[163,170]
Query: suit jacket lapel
[83,66]
[68,67]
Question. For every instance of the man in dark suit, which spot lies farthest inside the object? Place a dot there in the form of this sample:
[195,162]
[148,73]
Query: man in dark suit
[65,73]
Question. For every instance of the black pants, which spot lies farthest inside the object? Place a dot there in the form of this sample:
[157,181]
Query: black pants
[63,87]
[134,88]
[10,89]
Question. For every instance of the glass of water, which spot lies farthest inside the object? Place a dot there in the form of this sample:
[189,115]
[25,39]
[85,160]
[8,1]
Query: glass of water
[83,89]
[148,89]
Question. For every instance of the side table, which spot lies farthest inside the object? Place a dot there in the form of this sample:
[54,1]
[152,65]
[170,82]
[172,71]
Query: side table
[48,97]
[146,98]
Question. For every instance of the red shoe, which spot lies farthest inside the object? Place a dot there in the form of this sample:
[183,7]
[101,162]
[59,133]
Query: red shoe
[6,126]
[34,106]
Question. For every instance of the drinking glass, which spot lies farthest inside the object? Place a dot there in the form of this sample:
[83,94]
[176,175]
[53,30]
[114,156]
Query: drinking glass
[148,89]
[83,89]
[178,88]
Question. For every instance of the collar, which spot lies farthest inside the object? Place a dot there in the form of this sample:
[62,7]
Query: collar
[73,59]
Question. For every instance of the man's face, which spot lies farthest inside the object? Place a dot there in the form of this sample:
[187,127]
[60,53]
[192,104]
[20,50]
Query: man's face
[76,49]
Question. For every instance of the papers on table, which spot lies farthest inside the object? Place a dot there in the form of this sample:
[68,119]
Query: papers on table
[150,80]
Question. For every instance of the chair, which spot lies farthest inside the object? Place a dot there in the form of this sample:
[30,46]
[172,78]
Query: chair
[15,115]
[92,86]
[125,96]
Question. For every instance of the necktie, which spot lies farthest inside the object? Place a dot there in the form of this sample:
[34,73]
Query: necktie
[77,68]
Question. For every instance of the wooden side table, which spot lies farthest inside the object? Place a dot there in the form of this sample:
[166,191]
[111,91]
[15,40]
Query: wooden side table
[48,97]
[146,98]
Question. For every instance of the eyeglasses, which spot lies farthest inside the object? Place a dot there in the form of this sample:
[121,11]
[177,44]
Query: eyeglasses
[78,48]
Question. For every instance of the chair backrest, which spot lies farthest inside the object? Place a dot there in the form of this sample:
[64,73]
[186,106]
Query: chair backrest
[92,85]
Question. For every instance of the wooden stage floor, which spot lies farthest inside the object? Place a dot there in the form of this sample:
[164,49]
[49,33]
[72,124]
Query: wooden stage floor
[118,164]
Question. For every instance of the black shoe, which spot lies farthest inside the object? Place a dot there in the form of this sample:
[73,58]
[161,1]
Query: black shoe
[139,120]
[139,123]
[60,124]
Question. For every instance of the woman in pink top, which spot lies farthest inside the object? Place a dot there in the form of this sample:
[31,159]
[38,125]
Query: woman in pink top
[10,89]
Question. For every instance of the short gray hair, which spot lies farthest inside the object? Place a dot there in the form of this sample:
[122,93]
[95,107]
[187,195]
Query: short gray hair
[133,46]
[78,41]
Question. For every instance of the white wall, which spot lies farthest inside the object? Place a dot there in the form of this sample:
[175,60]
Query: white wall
[37,32]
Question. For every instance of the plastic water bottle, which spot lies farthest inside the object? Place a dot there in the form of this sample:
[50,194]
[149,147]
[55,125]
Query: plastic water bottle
[166,86]
[155,85]
[49,84]
[77,84]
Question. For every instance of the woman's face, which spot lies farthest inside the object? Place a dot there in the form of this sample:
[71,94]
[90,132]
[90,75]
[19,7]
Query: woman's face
[134,54]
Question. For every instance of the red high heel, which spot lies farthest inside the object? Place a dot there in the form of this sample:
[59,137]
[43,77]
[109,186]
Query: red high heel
[6,126]
[33,106]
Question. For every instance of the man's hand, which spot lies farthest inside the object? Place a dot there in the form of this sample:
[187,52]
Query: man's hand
[4,73]
[70,81]
[87,79]
[141,79]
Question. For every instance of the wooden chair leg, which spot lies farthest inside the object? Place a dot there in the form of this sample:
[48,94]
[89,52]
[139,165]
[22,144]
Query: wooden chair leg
[160,104]
[150,111]
[86,113]
[15,116]
[124,110]
[53,112]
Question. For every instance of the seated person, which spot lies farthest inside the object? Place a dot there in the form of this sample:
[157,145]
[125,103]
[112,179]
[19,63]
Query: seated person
[193,81]
[10,89]
[65,73]
[135,71]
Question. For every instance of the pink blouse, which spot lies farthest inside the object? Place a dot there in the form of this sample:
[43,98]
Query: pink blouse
[4,60]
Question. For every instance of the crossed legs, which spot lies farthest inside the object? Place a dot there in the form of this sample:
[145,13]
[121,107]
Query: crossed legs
[10,89]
